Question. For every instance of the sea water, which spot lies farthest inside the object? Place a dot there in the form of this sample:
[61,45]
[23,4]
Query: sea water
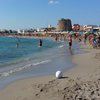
[27,46]
[28,59]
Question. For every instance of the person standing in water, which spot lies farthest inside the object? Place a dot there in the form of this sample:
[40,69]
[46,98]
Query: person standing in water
[17,42]
[40,42]
[17,45]
[70,42]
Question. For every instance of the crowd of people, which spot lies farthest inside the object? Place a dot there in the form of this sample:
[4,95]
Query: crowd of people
[92,39]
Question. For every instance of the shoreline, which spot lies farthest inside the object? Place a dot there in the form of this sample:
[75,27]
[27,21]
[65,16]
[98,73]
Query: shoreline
[85,71]
[53,59]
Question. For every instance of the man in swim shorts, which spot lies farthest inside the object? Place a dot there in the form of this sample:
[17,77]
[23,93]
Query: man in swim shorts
[70,42]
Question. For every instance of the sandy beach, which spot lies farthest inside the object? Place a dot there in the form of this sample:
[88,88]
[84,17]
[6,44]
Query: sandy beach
[82,82]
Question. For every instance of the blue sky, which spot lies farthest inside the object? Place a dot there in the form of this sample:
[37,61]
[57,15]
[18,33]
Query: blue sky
[16,14]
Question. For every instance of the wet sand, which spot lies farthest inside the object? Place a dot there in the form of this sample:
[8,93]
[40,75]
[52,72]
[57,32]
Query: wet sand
[81,82]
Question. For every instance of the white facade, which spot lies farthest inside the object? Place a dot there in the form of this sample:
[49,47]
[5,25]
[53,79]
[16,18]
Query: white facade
[21,31]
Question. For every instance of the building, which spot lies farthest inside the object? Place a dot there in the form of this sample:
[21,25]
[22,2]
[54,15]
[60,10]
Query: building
[89,27]
[82,28]
[64,25]
[96,29]
[50,28]
[20,31]
[76,27]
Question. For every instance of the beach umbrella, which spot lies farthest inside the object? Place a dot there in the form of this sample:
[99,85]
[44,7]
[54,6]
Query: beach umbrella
[71,33]
[86,32]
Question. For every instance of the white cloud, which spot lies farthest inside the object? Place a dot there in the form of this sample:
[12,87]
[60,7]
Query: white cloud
[53,1]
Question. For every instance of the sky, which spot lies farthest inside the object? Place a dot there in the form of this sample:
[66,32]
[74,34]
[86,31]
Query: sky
[15,14]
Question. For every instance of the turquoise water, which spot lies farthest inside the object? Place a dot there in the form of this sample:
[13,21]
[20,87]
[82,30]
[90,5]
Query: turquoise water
[27,46]
[31,60]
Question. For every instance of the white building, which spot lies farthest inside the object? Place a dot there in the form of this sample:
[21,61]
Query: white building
[20,31]
[89,27]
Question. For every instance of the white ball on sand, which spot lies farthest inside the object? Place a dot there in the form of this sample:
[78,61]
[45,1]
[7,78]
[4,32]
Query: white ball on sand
[58,74]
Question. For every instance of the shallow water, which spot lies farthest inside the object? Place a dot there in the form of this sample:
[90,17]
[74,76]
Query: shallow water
[30,60]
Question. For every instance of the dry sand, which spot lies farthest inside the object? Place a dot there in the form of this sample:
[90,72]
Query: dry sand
[79,83]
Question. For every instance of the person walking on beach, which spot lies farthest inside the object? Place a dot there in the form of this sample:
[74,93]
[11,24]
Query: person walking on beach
[70,42]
